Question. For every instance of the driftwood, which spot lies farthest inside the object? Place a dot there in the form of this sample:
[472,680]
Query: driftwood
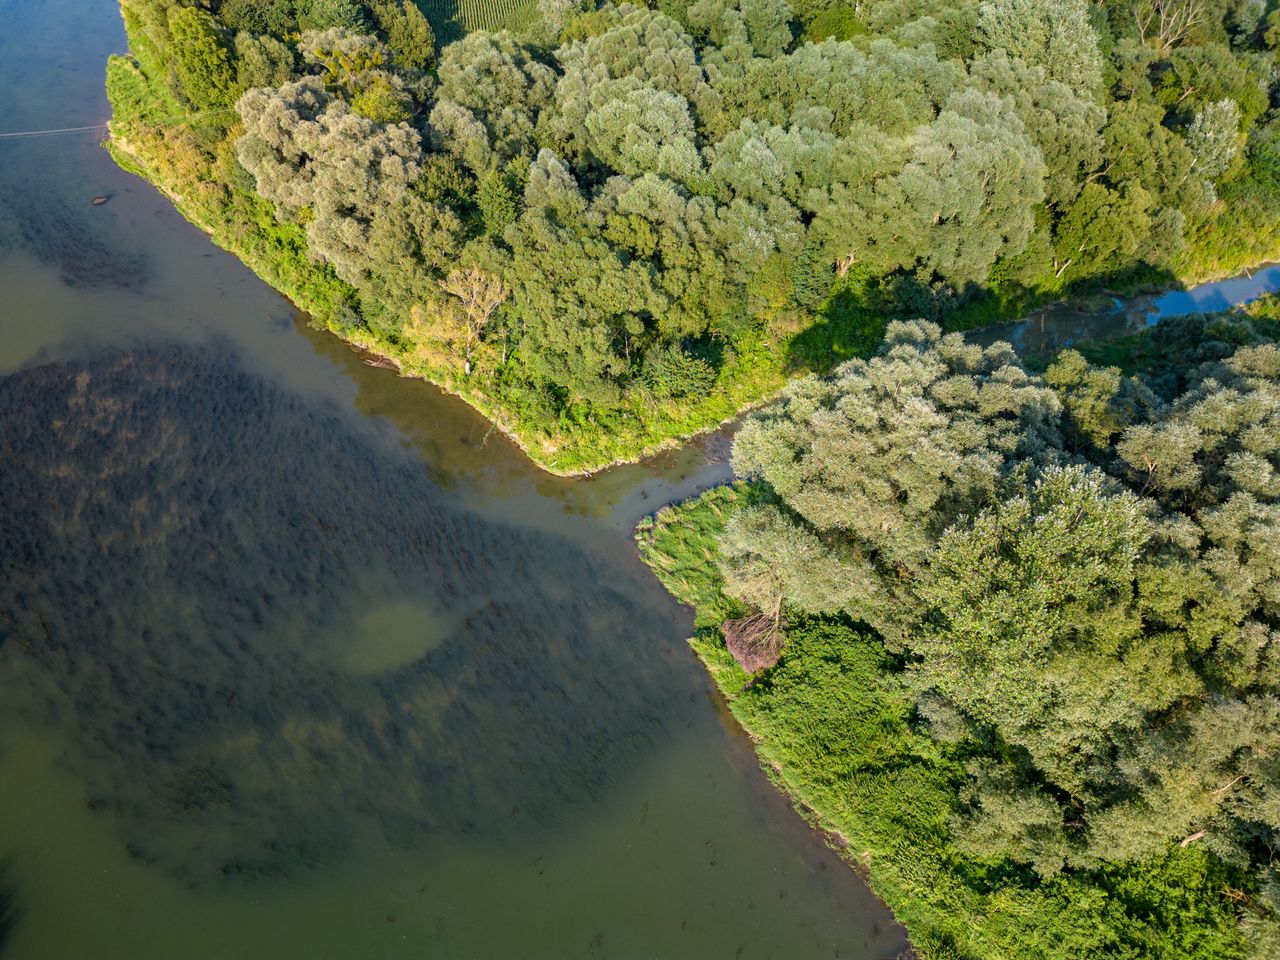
[754,641]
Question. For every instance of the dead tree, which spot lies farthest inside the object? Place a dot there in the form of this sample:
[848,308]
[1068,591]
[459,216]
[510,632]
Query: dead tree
[754,641]
[1166,23]
[479,294]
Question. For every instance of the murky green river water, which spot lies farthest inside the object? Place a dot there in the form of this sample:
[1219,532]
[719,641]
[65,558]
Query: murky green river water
[298,659]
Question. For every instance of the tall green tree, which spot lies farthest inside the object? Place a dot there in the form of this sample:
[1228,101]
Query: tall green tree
[202,58]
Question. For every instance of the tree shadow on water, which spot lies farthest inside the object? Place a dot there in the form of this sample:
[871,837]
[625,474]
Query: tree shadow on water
[851,321]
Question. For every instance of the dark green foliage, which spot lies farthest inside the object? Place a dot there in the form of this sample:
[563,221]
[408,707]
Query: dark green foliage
[811,278]
[498,202]
[671,372]
[201,58]
[407,31]
[325,14]
[1264,156]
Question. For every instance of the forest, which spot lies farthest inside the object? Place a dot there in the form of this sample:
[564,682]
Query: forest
[1013,638]
[613,225]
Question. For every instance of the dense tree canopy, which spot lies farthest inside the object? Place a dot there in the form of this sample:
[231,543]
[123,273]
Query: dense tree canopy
[1083,571]
[622,208]
[682,181]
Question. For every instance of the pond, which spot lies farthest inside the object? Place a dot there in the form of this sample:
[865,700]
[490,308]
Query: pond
[299,659]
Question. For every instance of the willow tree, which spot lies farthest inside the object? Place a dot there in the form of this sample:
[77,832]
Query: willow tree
[887,453]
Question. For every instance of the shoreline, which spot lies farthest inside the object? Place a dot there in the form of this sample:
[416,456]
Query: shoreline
[130,159]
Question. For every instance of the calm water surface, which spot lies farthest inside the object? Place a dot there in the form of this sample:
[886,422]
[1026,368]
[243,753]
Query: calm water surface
[1045,332]
[298,659]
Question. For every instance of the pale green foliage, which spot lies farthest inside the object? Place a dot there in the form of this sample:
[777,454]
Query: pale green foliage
[644,46]
[353,63]
[1213,138]
[883,85]
[1065,126]
[767,559]
[1113,638]
[954,197]
[761,163]
[1054,34]
[1097,403]
[1011,818]
[491,89]
[309,153]
[1030,622]
[744,28]
[1221,438]
[1262,934]
[342,53]
[970,187]
[636,129]
[889,452]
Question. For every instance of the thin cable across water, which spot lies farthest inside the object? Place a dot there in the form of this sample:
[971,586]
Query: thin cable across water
[48,133]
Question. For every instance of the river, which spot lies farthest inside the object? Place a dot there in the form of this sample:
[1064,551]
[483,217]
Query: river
[299,659]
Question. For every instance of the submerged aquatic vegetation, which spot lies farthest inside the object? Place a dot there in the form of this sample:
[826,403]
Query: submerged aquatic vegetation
[264,630]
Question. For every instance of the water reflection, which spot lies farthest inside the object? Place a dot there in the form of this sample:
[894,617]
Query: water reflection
[8,907]
[258,619]
[466,454]
[1045,332]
